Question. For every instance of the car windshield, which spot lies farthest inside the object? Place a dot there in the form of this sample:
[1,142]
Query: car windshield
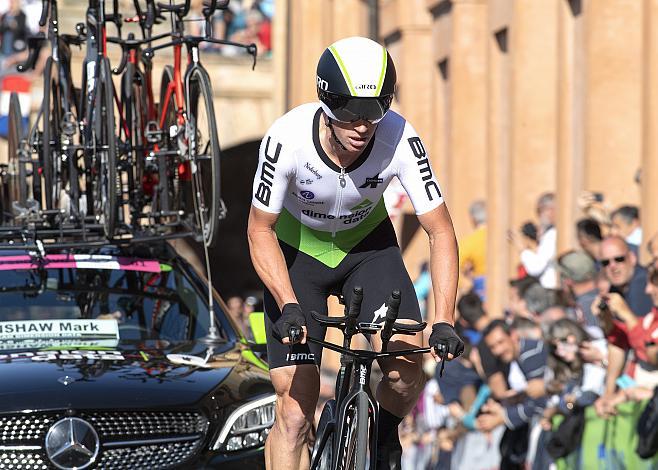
[98,298]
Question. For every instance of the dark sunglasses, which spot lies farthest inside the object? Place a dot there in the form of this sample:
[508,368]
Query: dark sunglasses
[350,109]
[617,259]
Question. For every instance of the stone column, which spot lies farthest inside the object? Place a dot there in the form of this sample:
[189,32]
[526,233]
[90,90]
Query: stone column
[613,112]
[570,164]
[468,105]
[649,206]
[499,164]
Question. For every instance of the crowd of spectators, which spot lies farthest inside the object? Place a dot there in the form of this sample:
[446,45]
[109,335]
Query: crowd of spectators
[579,335]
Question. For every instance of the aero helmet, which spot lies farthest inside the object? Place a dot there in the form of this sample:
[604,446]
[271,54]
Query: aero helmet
[356,80]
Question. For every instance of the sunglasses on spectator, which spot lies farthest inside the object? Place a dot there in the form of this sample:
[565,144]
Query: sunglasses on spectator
[617,259]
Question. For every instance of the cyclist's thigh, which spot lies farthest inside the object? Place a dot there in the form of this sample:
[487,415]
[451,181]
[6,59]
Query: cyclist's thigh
[379,274]
[308,277]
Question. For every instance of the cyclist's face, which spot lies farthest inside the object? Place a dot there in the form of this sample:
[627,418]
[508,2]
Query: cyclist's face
[355,136]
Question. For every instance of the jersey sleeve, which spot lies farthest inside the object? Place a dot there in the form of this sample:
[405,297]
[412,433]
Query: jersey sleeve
[276,164]
[414,171]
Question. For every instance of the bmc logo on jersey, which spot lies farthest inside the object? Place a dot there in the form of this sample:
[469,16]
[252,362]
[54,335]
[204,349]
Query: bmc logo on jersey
[307,194]
[267,169]
[424,166]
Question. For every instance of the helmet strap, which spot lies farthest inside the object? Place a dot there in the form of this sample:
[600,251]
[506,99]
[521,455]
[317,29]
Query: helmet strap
[333,134]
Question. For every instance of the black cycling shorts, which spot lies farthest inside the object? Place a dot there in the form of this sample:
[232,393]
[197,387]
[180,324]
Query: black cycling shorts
[375,264]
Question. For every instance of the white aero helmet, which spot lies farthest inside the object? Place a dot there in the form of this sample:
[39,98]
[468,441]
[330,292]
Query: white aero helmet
[356,80]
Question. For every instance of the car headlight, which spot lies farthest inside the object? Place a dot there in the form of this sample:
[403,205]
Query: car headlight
[248,426]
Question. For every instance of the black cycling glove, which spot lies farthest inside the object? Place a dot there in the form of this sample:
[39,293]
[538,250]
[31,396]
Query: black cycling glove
[444,337]
[291,316]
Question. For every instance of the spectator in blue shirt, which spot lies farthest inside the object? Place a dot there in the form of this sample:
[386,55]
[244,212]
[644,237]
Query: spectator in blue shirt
[527,360]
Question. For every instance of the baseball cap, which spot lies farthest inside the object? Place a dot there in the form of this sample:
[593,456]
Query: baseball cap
[577,266]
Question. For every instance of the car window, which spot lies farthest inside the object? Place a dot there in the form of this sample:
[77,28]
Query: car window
[146,305]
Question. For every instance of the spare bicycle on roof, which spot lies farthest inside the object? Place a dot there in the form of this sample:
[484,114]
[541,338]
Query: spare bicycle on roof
[113,163]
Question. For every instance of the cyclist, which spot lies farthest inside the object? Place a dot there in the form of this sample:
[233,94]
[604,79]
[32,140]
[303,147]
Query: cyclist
[318,224]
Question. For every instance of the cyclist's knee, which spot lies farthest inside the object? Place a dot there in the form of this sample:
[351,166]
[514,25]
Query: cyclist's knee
[405,376]
[293,418]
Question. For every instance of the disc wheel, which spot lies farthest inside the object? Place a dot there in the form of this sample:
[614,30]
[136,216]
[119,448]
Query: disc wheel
[15,181]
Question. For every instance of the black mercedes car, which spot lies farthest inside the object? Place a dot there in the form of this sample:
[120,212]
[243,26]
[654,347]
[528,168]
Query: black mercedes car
[106,362]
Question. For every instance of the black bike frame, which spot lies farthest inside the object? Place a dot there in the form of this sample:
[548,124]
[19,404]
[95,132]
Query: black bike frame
[354,379]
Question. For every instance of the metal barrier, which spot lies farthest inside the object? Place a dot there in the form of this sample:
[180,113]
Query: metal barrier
[609,444]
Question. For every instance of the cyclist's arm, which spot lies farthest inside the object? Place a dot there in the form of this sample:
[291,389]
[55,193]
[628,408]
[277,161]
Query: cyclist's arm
[276,166]
[267,257]
[444,262]
[414,171]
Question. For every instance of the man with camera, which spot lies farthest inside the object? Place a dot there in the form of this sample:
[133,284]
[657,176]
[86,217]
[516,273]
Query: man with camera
[620,309]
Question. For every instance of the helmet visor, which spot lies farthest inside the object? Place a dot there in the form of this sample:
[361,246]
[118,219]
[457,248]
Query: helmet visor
[351,109]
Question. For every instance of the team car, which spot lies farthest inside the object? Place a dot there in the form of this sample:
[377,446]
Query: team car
[106,362]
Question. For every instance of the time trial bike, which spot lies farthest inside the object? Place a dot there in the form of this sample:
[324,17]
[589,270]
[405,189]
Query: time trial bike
[346,436]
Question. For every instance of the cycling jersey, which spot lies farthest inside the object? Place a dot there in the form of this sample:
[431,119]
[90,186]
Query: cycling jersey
[326,210]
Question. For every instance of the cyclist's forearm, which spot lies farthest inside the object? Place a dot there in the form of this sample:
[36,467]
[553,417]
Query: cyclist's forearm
[444,268]
[270,265]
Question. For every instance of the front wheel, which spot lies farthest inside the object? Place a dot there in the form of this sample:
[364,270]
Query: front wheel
[327,433]
[355,435]
[204,156]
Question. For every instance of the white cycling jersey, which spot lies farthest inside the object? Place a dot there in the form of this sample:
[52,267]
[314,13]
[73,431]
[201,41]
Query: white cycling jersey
[325,210]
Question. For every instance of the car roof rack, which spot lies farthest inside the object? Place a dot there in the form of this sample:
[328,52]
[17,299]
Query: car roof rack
[52,230]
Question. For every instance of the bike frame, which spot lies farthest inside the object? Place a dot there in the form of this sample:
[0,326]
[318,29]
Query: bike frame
[96,51]
[353,379]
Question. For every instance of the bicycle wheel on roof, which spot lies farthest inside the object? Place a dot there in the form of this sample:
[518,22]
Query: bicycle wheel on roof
[49,156]
[15,179]
[204,156]
[133,102]
[104,168]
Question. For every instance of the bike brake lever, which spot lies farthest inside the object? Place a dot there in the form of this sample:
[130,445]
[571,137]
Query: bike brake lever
[294,334]
[443,353]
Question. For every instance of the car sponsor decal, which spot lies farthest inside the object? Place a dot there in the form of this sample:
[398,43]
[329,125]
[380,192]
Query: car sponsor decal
[59,261]
[13,331]
[56,344]
[64,355]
